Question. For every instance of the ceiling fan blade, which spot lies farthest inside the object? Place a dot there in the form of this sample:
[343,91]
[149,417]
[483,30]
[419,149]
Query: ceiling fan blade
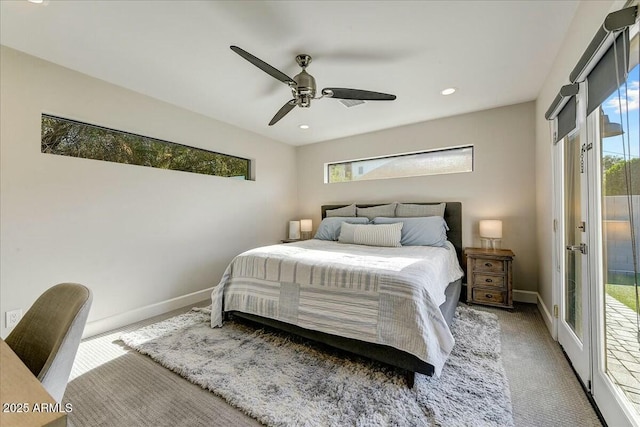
[264,66]
[283,112]
[364,95]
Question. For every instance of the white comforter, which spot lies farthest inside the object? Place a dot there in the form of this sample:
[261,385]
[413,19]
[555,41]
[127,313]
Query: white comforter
[387,296]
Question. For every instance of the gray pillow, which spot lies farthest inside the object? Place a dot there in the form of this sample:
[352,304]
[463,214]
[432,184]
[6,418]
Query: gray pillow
[371,235]
[329,228]
[410,210]
[420,231]
[382,210]
[345,211]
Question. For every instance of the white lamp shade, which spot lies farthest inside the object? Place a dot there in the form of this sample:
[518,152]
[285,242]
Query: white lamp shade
[491,229]
[294,229]
[306,225]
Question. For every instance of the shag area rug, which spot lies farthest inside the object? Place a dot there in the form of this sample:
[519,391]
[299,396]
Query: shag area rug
[282,381]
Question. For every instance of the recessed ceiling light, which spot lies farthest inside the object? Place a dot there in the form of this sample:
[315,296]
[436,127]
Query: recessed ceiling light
[448,91]
[36,1]
[304,126]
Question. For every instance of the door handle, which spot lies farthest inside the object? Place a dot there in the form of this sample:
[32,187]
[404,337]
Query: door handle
[582,248]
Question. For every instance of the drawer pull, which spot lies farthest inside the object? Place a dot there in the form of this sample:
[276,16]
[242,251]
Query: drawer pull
[488,295]
[488,280]
[488,264]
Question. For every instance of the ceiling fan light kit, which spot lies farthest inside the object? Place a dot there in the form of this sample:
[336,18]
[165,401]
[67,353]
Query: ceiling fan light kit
[303,86]
[351,102]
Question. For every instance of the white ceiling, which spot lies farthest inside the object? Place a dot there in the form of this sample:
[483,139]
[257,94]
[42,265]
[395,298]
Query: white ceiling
[495,52]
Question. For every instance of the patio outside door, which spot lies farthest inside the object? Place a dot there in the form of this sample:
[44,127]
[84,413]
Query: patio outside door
[573,325]
[614,129]
[597,234]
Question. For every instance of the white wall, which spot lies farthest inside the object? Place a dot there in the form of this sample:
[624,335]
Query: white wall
[139,236]
[135,235]
[587,21]
[501,186]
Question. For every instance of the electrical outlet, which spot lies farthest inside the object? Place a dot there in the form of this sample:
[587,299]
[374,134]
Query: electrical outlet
[13,317]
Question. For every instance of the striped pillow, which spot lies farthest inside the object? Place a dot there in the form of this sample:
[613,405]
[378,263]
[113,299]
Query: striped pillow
[371,235]
[329,228]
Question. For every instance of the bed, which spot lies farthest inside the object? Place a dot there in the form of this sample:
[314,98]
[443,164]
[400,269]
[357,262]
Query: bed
[393,305]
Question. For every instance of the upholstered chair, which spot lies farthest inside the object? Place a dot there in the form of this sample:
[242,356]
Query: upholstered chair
[48,336]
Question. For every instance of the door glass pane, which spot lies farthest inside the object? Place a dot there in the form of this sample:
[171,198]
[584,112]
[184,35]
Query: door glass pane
[620,157]
[573,258]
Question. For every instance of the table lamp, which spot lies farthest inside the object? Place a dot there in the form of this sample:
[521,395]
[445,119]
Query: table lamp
[490,233]
[294,230]
[306,225]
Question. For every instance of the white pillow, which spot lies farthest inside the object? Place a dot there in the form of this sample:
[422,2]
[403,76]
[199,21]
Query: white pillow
[371,235]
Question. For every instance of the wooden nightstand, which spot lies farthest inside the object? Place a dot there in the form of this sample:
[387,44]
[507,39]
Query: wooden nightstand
[489,276]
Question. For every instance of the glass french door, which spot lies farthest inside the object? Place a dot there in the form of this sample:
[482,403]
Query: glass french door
[573,325]
[614,130]
[597,253]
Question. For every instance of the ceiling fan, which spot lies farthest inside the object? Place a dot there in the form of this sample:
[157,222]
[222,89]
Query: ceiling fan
[303,85]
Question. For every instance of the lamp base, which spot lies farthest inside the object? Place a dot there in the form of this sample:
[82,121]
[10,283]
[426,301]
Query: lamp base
[488,243]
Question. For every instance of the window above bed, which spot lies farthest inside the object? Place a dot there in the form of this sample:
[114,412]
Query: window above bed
[432,162]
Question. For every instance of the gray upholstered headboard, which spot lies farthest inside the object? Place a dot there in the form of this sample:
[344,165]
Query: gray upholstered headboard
[452,215]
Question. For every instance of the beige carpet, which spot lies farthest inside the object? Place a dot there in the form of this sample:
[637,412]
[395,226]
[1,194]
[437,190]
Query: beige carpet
[285,382]
[113,386]
[544,389]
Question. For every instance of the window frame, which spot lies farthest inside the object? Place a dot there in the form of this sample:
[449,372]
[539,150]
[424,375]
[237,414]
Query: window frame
[248,176]
[328,165]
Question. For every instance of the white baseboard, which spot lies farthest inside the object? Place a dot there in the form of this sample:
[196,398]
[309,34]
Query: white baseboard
[108,323]
[112,322]
[525,296]
[546,316]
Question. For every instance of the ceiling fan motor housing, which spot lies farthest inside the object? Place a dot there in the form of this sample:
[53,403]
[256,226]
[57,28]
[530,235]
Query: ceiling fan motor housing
[305,89]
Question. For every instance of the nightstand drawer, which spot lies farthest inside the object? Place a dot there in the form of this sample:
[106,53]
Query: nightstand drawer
[488,265]
[489,296]
[487,280]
